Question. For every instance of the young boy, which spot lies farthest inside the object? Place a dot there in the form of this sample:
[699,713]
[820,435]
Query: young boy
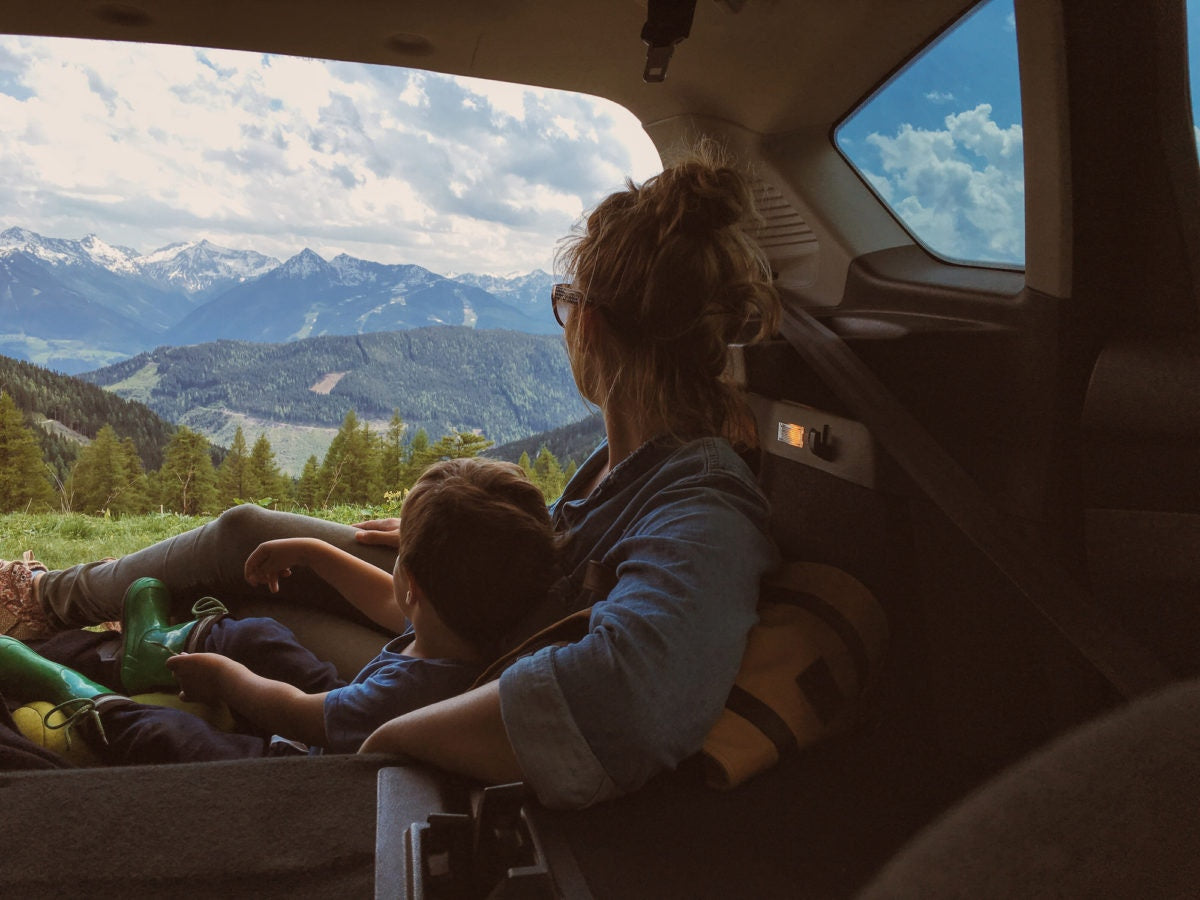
[476,555]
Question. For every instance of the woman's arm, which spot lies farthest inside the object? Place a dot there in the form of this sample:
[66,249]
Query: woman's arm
[637,695]
[364,585]
[464,734]
[594,719]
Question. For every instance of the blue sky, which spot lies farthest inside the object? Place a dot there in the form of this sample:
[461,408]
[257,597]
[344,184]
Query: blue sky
[147,145]
[942,142]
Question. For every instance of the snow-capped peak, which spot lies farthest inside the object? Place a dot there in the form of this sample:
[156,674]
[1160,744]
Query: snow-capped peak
[115,259]
[304,264]
[170,251]
[197,266]
[55,251]
[15,236]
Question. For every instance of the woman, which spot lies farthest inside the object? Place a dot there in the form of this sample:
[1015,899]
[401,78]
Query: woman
[665,277]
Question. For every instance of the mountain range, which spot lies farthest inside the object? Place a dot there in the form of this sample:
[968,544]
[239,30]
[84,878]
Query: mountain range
[81,305]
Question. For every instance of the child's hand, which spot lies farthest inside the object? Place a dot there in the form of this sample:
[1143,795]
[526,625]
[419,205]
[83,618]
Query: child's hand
[273,560]
[203,677]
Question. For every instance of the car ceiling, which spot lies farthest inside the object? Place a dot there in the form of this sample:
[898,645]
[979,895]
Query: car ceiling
[770,66]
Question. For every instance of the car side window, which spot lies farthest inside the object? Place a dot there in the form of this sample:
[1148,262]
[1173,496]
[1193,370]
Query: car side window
[1193,39]
[941,142]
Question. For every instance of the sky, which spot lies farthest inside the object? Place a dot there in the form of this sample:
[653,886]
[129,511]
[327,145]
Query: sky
[942,143]
[148,145]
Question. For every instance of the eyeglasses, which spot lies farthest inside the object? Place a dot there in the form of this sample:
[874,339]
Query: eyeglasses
[563,298]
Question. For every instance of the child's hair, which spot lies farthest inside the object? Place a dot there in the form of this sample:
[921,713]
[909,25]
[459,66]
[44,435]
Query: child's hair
[477,538]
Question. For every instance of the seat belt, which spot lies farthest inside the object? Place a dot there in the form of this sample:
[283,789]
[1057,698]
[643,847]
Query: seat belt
[667,23]
[1124,663]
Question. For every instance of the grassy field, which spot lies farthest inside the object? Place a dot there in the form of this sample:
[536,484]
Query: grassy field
[60,540]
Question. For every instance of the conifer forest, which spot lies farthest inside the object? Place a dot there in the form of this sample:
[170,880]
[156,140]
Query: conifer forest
[71,447]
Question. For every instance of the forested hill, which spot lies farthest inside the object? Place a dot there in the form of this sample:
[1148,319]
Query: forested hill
[570,442]
[506,385]
[79,407]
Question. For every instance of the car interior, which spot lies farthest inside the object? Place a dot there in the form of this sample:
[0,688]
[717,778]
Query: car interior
[1006,455]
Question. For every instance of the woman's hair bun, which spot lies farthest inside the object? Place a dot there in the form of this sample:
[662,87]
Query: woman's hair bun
[706,196]
[675,274]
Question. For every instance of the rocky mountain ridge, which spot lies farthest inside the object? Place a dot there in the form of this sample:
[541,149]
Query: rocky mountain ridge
[78,305]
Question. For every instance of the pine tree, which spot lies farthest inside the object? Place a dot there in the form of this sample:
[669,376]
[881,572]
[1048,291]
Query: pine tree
[235,480]
[392,455]
[457,445]
[188,482]
[136,496]
[24,477]
[350,472]
[154,491]
[362,467]
[272,482]
[331,486]
[417,449]
[548,474]
[108,476]
[524,462]
[308,487]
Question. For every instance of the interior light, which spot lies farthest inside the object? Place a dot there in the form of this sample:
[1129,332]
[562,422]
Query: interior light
[792,435]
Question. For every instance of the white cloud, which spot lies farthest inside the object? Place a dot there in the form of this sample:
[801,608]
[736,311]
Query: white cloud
[569,127]
[961,190]
[144,145]
[505,100]
[939,96]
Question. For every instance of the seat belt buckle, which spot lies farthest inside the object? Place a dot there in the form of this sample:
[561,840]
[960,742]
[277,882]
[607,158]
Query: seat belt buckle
[657,58]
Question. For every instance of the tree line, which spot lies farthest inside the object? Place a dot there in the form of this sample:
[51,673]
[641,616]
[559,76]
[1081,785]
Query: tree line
[108,477]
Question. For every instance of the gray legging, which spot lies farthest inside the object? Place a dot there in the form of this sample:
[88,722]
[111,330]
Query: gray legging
[206,560]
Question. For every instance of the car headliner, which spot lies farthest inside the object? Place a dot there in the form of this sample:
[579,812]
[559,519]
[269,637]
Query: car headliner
[771,67]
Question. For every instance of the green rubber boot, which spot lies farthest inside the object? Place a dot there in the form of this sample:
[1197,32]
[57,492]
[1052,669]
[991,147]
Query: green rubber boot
[148,639]
[26,676]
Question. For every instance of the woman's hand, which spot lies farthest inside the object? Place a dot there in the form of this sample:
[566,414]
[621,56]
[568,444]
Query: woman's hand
[272,560]
[384,532]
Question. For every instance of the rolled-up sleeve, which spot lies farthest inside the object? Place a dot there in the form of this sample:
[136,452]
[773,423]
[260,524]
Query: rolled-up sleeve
[638,694]
[556,759]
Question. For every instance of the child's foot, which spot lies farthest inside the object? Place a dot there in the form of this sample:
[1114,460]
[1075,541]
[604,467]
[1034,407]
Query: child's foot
[21,613]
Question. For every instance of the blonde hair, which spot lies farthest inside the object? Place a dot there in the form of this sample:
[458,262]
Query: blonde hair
[677,277]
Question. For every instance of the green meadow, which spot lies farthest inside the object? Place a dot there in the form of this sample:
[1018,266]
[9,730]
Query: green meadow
[60,540]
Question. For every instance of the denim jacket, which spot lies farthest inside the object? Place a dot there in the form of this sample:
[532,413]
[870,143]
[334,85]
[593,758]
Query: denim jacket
[684,528]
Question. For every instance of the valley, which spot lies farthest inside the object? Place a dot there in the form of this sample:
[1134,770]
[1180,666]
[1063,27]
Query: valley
[217,339]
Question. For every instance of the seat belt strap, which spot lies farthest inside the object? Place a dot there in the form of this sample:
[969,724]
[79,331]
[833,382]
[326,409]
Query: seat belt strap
[1125,664]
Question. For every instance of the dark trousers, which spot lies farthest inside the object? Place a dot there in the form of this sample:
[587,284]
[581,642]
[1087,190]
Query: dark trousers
[139,733]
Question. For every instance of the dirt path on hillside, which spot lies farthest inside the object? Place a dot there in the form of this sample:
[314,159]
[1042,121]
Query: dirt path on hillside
[328,382]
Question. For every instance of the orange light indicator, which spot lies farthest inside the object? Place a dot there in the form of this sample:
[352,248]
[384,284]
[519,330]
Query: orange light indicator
[792,435]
